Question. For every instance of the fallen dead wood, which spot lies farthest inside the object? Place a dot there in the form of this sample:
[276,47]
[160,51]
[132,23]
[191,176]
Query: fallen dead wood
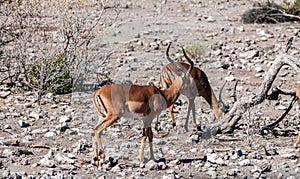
[15,142]
[271,126]
[10,142]
[39,146]
[271,12]
[230,120]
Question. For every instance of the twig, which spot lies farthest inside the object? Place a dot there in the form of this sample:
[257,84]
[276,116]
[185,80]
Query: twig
[289,44]
[266,169]
[271,126]
[277,91]
[106,56]
[39,146]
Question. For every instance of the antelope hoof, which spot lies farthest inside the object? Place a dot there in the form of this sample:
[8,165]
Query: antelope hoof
[96,163]
[142,165]
[186,128]
[156,127]
[195,125]
[295,144]
[174,126]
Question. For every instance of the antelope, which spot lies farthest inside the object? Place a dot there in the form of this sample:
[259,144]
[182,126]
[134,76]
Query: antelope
[298,95]
[199,86]
[123,100]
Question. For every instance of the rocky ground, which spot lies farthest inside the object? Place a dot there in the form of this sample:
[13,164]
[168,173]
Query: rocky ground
[53,139]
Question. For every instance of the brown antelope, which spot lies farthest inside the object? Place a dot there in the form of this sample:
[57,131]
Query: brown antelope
[122,100]
[298,137]
[199,86]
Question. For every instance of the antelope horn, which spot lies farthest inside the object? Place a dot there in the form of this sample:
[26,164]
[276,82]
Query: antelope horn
[189,60]
[179,68]
[224,107]
[234,91]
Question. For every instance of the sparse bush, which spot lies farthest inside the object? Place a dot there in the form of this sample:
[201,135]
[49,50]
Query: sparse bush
[196,50]
[45,44]
[271,12]
[295,5]
[51,75]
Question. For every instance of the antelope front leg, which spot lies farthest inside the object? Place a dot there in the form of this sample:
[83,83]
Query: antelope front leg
[95,151]
[144,137]
[157,124]
[150,135]
[192,101]
[191,107]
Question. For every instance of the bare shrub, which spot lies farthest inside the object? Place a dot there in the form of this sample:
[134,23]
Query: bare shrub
[270,12]
[44,42]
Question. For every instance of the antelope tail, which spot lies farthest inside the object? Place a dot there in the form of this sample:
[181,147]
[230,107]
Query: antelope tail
[99,103]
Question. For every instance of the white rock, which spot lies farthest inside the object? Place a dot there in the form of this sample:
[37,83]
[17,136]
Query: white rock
[151,165]
[241,29]
[4,94]
[7,153]
[39,131]
[34,115]
[54,106]
[212,157]
[23,123]
[245,162]
[49,154]
[64,119]
[116,169]
[63,159]
[162,166]
[71,156]
[210,19]
[47,162]
[50,134]
[193,150]
[249,54]
[259,69]
[230,78]
[2,115]
[281,107]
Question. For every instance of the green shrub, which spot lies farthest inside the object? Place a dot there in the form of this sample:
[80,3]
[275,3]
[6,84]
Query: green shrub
[51,75]
[196,49]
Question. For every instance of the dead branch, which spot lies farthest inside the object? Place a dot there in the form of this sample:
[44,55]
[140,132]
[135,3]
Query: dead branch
[271,12]
[277,91]
[243,104]
[271,126]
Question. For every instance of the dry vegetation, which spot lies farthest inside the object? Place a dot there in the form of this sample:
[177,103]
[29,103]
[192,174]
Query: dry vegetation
[54,53]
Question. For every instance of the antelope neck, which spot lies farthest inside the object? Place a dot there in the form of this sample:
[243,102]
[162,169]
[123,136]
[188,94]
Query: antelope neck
[215,105]
[172,93]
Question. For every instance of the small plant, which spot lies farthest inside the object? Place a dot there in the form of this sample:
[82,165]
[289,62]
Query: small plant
[294,5]
[51,75]
[196,50]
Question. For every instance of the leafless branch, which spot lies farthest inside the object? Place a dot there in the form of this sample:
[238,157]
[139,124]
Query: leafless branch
[234,115]
[271,126]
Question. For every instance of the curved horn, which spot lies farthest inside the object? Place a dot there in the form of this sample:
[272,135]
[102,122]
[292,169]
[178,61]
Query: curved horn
[167,54]
[234,91]
[179,68]
[224,107]
[189,60]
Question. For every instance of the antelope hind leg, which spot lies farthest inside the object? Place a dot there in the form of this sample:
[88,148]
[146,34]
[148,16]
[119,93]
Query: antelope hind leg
[297,140]
[172,117]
